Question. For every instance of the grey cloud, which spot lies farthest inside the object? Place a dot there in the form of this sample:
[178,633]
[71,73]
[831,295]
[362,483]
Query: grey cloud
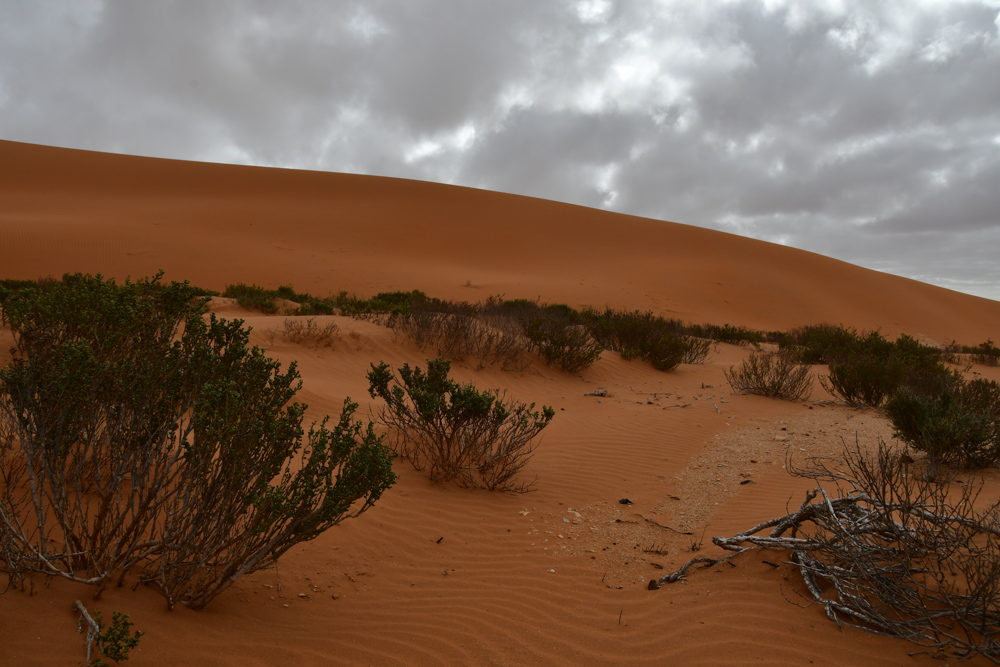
[870,133]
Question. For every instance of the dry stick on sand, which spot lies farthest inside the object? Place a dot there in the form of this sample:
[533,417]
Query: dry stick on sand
[656,523]
[93,629]
[891,554]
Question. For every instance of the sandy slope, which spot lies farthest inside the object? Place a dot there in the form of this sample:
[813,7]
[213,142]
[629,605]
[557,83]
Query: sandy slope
[63,210]
[441,575]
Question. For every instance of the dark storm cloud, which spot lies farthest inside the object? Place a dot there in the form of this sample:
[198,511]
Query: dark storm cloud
[866,131]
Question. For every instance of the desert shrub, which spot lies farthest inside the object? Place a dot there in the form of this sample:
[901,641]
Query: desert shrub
[253,297]
[500,337]
[821,343]
[316,306]
[264,300]
[727,333]
[487,332]
[308,304]
[775,374]
[138,438]
[647,336]
[557,332]
[668,351]
[288,293]
[951,353]
[986,354]
[9,287]
[955,422]
[875,368]
[570,346]
[459,433]
[380,307]
[868,374]
[698,350]
[308,332]
[629,333]
[115,641]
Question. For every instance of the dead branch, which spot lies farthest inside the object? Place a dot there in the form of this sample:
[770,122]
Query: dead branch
[660,525]
[93,629]
[889,553]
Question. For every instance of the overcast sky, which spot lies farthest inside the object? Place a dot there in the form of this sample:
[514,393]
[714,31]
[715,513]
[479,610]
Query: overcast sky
[867,131]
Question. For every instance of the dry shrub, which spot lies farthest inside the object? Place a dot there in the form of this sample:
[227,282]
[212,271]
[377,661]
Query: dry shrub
[698,351]
[457,331]
[459,433]
[887,551]
[308,332]
[773,374]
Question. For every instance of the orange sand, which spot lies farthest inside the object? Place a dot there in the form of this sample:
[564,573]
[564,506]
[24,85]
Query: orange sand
[545,578]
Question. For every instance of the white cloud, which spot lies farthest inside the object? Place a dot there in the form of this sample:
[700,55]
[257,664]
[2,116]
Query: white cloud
[857,129]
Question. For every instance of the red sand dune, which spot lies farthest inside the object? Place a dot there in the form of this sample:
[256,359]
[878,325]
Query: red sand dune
[544,578]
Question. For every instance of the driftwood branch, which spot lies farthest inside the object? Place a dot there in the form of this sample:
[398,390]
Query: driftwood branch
[888,553]
[93,629]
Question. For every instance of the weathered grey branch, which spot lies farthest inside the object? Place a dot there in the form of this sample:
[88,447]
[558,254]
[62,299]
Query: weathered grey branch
[889,553]
[93,629]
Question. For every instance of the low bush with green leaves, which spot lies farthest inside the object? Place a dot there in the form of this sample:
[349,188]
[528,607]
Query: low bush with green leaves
[873,369]
[380,307]
[727,333]
[955,421]
[662,342]
[776,374]
[560,343]
[252,297]
[140,438]
[986,353]
[114,641]
[820,343]
[265,300]
[476,438]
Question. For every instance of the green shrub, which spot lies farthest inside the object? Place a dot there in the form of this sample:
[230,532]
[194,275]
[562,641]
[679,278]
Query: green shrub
[821,343]
[174,457]
[475,438]
[116,640]
[727,333]
[570,346]
[381,306]
[265,300]
[986,354]
[957,422]
[8,287]
[773,374]
[252,297]
[874,369]
[647,336]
